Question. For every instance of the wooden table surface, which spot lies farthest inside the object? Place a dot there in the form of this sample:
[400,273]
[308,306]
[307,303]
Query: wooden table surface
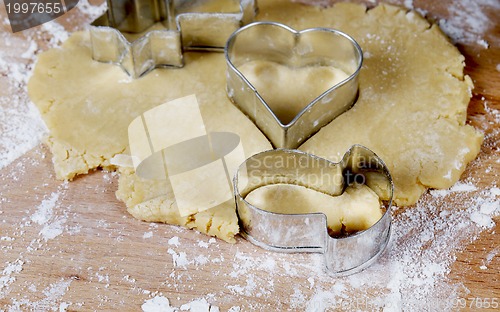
[73,246]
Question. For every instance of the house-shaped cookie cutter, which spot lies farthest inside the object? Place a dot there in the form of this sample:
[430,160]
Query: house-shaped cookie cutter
[279,43]
[308,232]
[140,35]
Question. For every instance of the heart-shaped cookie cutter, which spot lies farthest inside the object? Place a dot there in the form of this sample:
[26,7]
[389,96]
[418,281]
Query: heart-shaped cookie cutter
[309,232]
[185,27]
[311,47]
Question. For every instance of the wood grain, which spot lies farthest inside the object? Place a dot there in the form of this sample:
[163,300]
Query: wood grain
[104,259]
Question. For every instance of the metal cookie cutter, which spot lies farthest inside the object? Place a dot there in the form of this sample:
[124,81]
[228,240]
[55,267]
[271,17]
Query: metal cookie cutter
[172,26]
[308,232]
[311,47]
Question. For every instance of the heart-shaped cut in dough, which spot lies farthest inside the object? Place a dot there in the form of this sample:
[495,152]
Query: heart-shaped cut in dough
[291,83]
[286,89]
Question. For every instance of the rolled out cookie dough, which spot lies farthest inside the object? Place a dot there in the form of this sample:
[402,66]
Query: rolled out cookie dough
[153,201]
[357,209]
[411,109]
[288,90]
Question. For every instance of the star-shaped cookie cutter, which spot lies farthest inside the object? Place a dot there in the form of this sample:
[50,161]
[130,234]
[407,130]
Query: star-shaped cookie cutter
[308,232]
[140,35]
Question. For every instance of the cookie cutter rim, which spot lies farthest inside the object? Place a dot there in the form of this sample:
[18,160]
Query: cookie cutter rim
[350,81]
[140,56]
[379,233]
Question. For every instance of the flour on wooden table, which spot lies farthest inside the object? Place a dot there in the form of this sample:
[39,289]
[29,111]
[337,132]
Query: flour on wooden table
[21,126]
[174,241]
[487,260]
[53,224]
[469,22]
[157,304]
[434,230]
[51,302]
[6,277]
[162,304]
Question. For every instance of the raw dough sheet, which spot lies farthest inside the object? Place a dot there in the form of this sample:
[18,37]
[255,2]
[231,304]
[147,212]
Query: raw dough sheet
[411,109]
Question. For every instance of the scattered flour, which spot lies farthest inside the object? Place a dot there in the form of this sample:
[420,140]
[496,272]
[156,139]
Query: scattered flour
[53,229]
[482,219]
[495,191]
[494,113]
[410,276]
[489,207]
[492,254]
[174,241]
[162,304]
[21,126]
[205,245]
[202,244]
[408,4]
[297,298]
[53,226]
[6,278]
[200,305]
[469,21]
[147,235]
[92,11]
[415,267]
[64,306]
[179,259]
[157,304]
[201,260]
[463,187]
[483,214]
[53,294]
[45,211]
[458,187]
